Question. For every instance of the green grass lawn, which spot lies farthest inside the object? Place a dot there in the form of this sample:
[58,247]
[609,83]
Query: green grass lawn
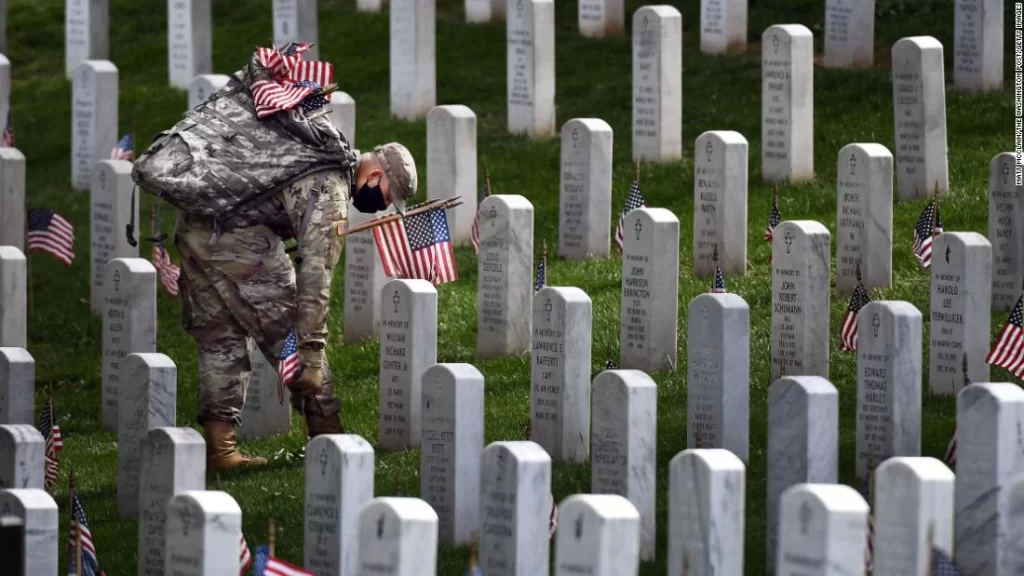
[593,80]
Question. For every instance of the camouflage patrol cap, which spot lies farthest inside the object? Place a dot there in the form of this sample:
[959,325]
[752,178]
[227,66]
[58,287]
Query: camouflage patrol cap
[400,169]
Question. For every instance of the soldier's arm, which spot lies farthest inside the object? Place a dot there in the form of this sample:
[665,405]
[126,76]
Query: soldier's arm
[319,249]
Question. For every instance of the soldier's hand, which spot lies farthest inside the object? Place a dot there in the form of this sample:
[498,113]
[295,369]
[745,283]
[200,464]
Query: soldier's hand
[308,382]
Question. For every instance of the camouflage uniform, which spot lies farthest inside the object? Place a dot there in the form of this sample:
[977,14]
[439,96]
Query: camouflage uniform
[239,282]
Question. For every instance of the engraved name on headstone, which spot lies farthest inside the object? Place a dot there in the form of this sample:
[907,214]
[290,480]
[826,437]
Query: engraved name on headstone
[849,33]
[978,45]
[94,94]
[530,63]
[189,41]
[723,26]
[505,276]
[129,325]
[720,203]
[787,103]
[111,211]
[863,217]
[657,84]
[1005,232]
[585,191]
[919,108]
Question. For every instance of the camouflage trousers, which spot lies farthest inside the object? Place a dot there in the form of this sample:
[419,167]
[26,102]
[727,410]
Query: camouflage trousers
[243,285]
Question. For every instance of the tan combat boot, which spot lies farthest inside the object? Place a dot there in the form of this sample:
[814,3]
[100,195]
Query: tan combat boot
[222,452]
[317,424]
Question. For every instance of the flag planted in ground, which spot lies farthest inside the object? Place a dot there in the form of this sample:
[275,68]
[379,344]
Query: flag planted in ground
[54,443]
[80,530]
[50,232]
[929,225]
[848,329]
[542,276]
[634,200]
[1008,350]
[266,565]
[774,218]
[474,232]
[418,246]
[244,556]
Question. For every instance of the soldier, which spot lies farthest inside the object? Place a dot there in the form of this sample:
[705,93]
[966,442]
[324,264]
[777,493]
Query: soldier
[237,281]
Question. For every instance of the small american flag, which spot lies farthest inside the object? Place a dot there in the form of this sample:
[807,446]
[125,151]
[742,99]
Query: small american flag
[314,101]
[950,456]
[719,285]
[267,565]
[8,137]
[418,246]
[295,48]
[244,557]
[474,233]
[542,275]
[924,232]
[943,565]
[288,367]
[848,331]
[1008,351]
[50,232]
[773,219]
[611,365]
[124,150]
[50,430]
[167,270]
[633,201]
[90,564]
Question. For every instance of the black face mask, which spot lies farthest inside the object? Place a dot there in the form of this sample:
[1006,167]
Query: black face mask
[369,199]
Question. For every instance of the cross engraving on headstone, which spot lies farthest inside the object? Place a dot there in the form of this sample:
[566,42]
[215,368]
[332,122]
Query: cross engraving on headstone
[493,215]
[397,300]
[1006,171]
[775,43]
[805,517]
[117,280]
[853,163]
[645,22]
[875,323]
[547,309]
[519,8]
[575,137]
[323,461]
[704,318]
[103,179]
[789,241]
[639,227]
[380,527]
[579,526]
[710,149]
[186,520]
[947,254]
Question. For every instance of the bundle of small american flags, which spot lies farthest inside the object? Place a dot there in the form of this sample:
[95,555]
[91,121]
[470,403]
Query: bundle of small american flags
[474,233]
[50,232]
[418,246]
[50,430]
[267,565]
[288,80]
[633,201]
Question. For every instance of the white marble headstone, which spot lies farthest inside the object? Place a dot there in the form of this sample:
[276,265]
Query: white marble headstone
[625,435]
[800,299]
[787,103]
[398,537]
[560,373]
[13,298]
[1005,232]
[451,165]
[863,217]
[650,291]
[12,197]
[515,508]
[978,45]
[706,505]
[803,442]
[720,203]
[413,55]
[530,61]
[723,26]
[364,280]
[585,191]
[452,443]
[86,32]
[849,33]
[601,18]
[189,41]
[38,511]
[21,456]
[505,276]
[912,496]
[129,325]
[5,73]
[371,5]
[266,411]
[343,115]
[205,85]
[718,373]
[961,317]
[888,383]
[296,21]
[657,84]
[339,483]
[1015,536]
[94,95]
[111,211]
[202,534]
[173,461]
[17,386]
[919,107]
[600,535]
[477,11]
[408,346]
[822,530]
[990,455]
[147,397]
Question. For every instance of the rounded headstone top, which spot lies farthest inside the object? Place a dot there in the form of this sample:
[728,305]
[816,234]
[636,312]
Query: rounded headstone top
[174,435]
[456,371]
[11,154]
[116,166]
[725,300]
[919,42]
[15,354]
[723,136]
[211,79]
[21,433]
[521,450]
[209,501]
[134,265]
[591,124]
[834,497]
[924,468]
[348,443]
[628,378]
[807,227]
[150,359]
[4,61]
[11,253]
[660,10]
[410,286]
[807,384]
[399,507]
[510,201]
[712,458]
[895,307]
[29,499]
[966,239]
[342,98]
[97,66]
[563,293]
[451,110]
[604,506]
[653,215]
[1001,391]
[792,30]
[869,149]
